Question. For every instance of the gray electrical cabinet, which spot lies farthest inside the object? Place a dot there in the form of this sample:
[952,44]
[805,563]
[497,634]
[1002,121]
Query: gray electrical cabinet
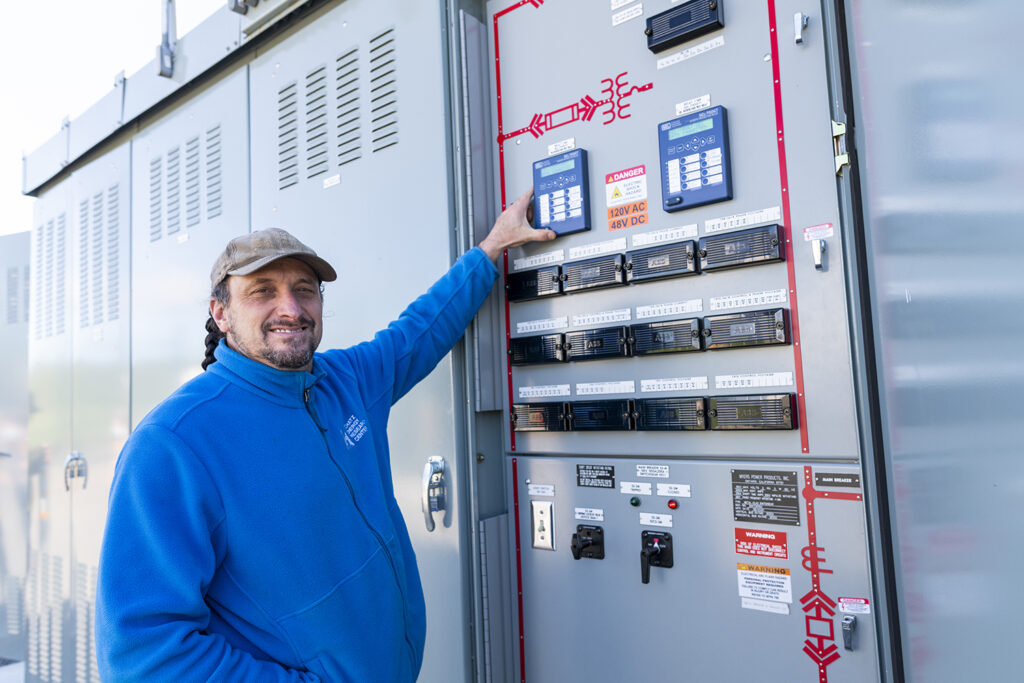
[14,406]
[726,426]
[682,440]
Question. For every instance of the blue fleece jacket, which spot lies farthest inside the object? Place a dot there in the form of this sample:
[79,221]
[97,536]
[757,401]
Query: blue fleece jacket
[253,532]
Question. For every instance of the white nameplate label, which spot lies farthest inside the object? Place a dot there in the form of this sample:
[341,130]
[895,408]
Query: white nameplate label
[652,519]
[618,315]
[668,235]
[690,106]
[691,52]
[591,388]
[670,308]
[652,471]
[673,384]
[598,248]
[755,379]
[743,220]
[639,488]
[541,259]
[544,391]
[762,298]
[542,325]
[627,14]
[561,146]
[540,489]
[590,514]
[681,490]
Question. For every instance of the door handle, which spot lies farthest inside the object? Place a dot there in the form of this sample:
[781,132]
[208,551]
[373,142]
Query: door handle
[434,494]
[75,465]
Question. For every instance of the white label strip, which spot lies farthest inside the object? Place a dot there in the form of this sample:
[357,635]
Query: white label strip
[670,308]
[764,605]
[618,315]
[542,325]
[540,489]
[696,104]
[742,220]
[332,180]
[651,519]
[690,52]
[544,391]
[641,488]
[768,296]
[627,14]
[561,146]
[616,4]
[670,235]
[590,514]
[681,490]
[756,379]
[627,386]
[541,259]
[598,248]
[673,384]
[652,471]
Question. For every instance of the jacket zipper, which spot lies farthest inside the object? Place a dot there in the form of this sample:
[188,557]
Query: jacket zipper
[311,411]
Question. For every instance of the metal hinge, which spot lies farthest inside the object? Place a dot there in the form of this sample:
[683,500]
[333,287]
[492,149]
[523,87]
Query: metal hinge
[842,158]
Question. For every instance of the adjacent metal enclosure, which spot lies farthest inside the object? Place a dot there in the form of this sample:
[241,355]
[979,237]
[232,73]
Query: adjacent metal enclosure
[14,407]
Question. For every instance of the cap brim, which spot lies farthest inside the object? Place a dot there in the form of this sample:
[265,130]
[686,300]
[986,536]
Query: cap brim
[322,268]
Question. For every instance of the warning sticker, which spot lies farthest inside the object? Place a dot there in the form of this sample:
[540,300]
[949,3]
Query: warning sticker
[764,583]
[767,496]
[628,215]
[854,605]
[818,232]
[625,186]
[763,543]
[596,476]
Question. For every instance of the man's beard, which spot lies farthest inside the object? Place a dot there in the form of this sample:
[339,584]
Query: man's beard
[293,356]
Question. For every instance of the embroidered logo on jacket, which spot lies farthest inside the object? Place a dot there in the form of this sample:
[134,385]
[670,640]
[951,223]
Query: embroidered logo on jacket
[355,429]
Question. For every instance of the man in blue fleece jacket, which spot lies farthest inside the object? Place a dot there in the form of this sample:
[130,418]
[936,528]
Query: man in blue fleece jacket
[253,532]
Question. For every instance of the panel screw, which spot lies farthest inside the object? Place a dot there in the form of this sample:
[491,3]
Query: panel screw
[648,32]
[713,413]
[707,333]
[479,457]
[703,252]
[779,325]
[713,5]
[774,241]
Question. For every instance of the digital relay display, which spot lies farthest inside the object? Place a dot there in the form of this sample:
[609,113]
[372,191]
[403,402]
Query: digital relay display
[560,193]
[695,160]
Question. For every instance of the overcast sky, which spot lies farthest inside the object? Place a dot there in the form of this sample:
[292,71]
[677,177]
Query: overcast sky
[60,56]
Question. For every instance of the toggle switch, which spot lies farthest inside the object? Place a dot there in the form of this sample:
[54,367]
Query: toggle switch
[543,528]
[655,551]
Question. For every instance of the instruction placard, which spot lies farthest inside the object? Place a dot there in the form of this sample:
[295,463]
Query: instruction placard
[596,476]
[764,583]
[762,542]
[767,496]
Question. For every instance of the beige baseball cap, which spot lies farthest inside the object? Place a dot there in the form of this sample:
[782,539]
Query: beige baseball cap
[249,253]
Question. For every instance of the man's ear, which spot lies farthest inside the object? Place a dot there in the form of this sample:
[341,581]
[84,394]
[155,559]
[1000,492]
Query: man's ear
[219,315]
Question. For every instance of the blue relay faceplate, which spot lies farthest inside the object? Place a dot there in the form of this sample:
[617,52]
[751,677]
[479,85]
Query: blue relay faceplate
[695,160]
[561,193]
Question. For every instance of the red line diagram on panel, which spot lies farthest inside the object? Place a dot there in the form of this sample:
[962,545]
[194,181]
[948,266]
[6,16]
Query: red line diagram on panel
[819,609]
[616,91]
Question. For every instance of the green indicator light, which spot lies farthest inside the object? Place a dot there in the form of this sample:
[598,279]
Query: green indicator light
[634,501]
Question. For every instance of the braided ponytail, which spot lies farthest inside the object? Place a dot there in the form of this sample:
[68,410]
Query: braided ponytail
[214,335]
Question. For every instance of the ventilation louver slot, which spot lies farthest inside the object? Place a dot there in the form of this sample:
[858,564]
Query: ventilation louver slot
[155,199]
[317,130]
[38,286]
[383,91]
[604,271]
[670,414]
[192,212]
[533,284]
[83,263]
[605,342]
[12,296]
[60,271]
[346,78]
[287,136]
[600,416]
[113,246]
[96,258]
[539,417]
[541,349]
[753,328]
[213,188]
[672,260]
[765,411]
[173,190]
[668,336]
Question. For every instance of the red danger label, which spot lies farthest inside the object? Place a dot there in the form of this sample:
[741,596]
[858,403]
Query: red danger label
[626,173]
[763,543]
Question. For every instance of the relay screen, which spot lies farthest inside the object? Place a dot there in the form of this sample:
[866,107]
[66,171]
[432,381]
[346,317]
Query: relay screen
[560,193]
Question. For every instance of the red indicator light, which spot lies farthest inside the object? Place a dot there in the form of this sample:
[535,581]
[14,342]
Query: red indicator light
[672,504]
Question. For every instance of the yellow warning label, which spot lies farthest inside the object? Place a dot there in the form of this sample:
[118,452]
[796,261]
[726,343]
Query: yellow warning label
[617,193]
[762,568]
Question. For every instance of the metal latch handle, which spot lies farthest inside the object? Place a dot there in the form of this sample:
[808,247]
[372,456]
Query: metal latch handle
[434,496]
[75,466]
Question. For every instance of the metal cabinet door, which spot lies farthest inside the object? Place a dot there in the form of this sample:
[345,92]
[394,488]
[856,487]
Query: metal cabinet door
[47,598]
[350,154]
[100,418]
[190,195]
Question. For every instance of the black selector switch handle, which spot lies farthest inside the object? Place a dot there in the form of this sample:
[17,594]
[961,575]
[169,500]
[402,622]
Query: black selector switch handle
[645,561]
[578,544]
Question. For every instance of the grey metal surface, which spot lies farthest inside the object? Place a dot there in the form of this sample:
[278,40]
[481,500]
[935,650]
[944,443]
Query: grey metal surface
[939,162]
[738,76]
[190,195]
[14,406]
[593,620]
[350,152]
[48,589]
[98,121]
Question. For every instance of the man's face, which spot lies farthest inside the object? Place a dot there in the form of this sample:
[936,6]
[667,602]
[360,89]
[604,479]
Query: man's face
[274,315]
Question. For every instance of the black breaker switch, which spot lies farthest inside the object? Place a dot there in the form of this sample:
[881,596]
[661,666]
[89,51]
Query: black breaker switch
[655,551]
[588,542]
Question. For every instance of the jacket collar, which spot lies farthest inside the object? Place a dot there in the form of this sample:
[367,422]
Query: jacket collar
[285,387]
